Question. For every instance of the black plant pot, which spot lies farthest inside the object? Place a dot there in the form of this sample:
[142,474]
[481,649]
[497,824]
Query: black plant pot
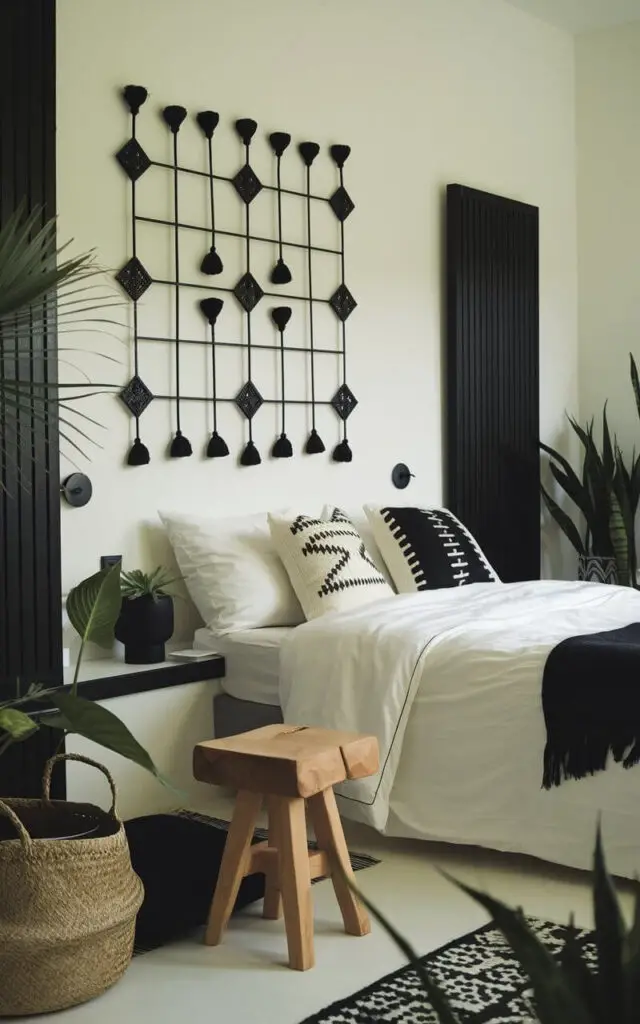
[144,627]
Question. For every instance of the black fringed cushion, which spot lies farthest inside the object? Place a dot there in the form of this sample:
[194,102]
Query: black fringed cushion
[177,857]
[428,548]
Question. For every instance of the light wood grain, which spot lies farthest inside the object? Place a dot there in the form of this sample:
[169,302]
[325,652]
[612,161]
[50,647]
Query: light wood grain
[235,860]
[272,909]
[295,882]
[328,829]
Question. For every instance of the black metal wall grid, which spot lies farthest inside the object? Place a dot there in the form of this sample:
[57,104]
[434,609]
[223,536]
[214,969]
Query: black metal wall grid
[30,601]
[493,376]
[248,292]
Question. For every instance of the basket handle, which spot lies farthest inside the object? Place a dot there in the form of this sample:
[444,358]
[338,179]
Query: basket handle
[25,838]
[46,778]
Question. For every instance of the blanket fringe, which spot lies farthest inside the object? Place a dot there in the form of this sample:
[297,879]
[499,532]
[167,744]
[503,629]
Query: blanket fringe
[578,757]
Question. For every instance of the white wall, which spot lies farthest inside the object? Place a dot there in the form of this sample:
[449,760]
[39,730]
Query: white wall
[426,92]
[608,135]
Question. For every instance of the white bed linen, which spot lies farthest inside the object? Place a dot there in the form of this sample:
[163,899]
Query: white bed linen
[252,661]
[450,683]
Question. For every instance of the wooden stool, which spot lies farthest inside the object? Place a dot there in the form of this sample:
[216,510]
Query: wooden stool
[287,765]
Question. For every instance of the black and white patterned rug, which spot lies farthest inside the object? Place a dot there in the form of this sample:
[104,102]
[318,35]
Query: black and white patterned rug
[478,973]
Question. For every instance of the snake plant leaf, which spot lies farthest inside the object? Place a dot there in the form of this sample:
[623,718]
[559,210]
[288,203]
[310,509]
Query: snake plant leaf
[575,970]
[609,938]
[619,538]
[578,493]
[16,723]
[608,458]
[631,962]
[94,605]
[564,521]
[97,723]
[635,381]
[556,1000]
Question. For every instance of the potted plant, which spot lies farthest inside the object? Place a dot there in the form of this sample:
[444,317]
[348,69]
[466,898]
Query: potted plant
[606,493]
[564,992]
[146,617]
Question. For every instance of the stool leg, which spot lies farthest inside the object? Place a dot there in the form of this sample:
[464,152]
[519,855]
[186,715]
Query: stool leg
[295,881]
[272,908]
[234,864]
[330,836]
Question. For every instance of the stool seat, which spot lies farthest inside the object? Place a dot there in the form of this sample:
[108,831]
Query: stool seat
[291,767]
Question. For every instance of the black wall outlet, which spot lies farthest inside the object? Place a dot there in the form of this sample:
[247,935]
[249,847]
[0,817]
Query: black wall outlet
[107,561]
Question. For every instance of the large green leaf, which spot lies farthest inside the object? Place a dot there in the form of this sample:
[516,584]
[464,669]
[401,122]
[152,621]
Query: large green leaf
[95,722]
[635,381]
[608,459]
[564,521]
[609,938]
[94,605]
[16,723]
[556,1000]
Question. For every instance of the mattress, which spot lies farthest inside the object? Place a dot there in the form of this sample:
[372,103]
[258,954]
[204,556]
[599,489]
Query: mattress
[253,661]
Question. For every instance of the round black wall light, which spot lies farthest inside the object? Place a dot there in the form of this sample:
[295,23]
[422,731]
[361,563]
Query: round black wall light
[77,490]
[401,476]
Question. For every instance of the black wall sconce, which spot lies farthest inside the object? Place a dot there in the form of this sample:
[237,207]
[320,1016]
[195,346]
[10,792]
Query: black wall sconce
[76,490]
[401,476]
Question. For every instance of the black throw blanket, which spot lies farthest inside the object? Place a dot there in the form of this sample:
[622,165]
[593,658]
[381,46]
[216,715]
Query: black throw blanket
[591,704]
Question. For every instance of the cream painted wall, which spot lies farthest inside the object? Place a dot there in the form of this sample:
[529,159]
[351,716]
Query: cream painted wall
[608,136]
[426,92]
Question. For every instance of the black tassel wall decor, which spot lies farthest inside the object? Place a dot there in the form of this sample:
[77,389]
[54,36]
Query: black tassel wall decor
[247,291]
[282,448]
[343,303]
[180,447]
[280,273]
[134,161]
[308,152]
[211,262]
[217,447]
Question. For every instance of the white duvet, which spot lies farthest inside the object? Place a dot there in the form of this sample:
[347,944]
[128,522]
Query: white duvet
[450,682]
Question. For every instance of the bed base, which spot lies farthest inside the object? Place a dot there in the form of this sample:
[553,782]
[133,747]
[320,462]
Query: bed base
[232,716]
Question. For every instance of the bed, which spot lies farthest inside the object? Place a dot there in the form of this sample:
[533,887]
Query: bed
[450,682]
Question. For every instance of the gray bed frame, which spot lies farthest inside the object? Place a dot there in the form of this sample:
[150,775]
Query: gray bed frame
[232,716]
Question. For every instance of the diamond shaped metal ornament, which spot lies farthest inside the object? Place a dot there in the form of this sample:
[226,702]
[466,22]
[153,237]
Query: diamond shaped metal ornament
[136,396]
[341,203]
[248,292]
[344,401]
[249,399]
[342,302]
[134,278]
[247,184]
[133,159]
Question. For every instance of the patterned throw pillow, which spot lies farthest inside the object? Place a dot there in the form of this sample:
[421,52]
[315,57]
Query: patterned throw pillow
[327,563]
[428,548]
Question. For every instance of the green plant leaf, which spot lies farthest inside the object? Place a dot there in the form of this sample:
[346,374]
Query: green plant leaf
[608,460]
[564,521]
[556,1001]
[16,723]
[575,970]
[635,381]
[609,938]
[631,961]
[95,722]
[94,605]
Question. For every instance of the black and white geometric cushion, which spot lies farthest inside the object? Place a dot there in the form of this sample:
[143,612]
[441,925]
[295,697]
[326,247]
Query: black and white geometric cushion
[327,563]
[428,548]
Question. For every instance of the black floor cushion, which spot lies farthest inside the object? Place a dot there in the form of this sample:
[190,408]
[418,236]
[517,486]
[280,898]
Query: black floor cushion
[177,856]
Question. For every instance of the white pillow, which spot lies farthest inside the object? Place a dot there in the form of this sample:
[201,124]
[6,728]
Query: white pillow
[359,519]
[428,549]
[327,563]
[233,573]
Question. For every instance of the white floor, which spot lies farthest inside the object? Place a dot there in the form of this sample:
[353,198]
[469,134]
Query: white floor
[246,978]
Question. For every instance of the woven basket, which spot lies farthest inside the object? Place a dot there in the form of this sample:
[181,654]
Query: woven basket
[67,906]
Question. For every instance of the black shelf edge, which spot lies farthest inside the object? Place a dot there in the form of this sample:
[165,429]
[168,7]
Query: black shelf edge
[161,678]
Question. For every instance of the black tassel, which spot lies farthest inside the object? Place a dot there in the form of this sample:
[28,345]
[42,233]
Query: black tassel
[342,452]
[138,454]
[180,446]
[280,273]
[250,455]
[217,447]
[211,262]
[314,443]
[282,448]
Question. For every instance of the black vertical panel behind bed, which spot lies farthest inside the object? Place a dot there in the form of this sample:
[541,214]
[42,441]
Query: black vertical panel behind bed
[492,356]
[30,603]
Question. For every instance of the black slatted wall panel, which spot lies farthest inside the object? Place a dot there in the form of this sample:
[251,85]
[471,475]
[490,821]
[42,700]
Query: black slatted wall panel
[30,608]
[493,376]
